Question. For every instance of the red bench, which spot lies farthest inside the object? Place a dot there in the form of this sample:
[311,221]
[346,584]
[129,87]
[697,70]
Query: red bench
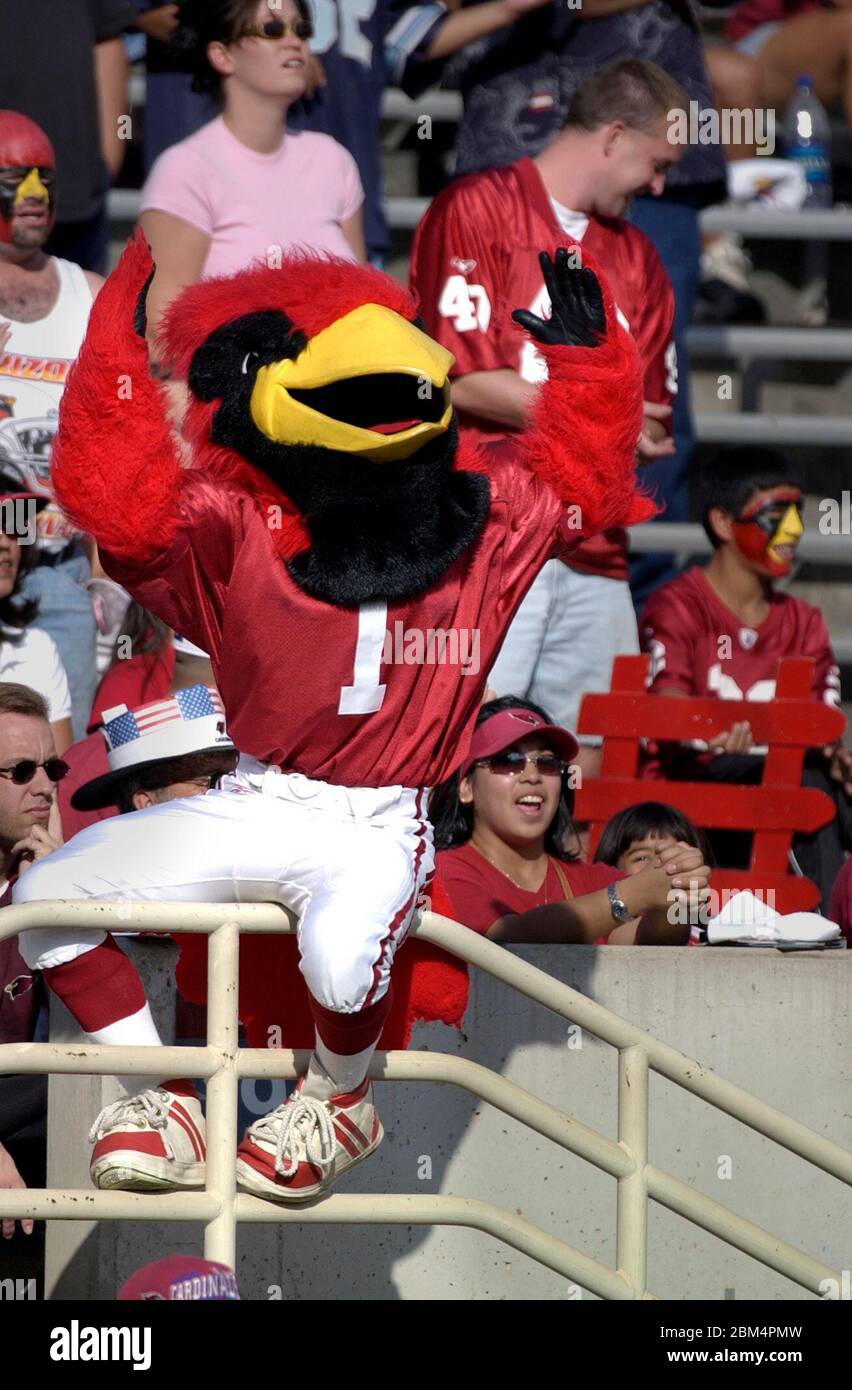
[774,810]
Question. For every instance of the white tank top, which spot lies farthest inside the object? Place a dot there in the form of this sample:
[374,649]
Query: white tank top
[33,368]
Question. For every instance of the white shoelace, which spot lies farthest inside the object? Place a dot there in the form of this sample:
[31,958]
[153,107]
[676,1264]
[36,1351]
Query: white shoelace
[304,1121]
[148,1108]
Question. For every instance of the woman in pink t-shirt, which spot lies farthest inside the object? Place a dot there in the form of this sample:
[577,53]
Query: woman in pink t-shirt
[500,829]
[243,187]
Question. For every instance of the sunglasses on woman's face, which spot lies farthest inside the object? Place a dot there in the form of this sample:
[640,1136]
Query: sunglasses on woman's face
[512,762]
[277,28]
[24,772]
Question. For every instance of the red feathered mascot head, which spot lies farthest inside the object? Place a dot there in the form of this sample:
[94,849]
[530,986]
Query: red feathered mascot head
[314,387]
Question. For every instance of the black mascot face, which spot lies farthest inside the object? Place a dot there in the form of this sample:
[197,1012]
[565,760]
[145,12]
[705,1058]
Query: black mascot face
[353,424]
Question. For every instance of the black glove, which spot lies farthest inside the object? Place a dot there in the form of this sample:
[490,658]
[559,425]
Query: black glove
[577,308]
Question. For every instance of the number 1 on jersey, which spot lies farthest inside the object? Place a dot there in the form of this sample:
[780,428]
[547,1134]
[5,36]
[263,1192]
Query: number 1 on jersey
[365,694]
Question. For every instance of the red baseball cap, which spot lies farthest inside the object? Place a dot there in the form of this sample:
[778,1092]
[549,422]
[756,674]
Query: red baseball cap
[509,726]
[180,1277]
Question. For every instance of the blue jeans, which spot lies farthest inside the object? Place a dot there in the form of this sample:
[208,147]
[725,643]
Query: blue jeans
[672,226]
[563,640]
[65,612]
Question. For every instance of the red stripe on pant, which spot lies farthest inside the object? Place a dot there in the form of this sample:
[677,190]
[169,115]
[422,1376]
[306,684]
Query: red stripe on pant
[403,911]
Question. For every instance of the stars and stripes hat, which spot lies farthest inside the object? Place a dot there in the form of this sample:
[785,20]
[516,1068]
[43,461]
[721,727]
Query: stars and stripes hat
[190,721]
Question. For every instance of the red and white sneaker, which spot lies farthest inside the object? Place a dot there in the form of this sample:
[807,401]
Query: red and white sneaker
[153,1142]
[295,1153]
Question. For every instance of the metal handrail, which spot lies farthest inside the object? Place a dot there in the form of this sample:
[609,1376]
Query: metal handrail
[687,537]
[772,344]
[223,1063]
[769,427]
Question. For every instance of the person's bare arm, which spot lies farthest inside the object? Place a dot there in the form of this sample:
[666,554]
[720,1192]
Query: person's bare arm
[94,281]
[597,9]
[110,61]
[159,23]
[678,872]
[179,252]
[11,1178]
[502,396]
[474,22]
[353,230]
[655,441]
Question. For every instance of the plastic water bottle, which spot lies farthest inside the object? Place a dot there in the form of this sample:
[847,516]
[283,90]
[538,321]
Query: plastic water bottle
[808,137]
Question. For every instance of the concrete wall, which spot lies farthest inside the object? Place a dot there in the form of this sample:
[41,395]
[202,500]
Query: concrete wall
[778,1025]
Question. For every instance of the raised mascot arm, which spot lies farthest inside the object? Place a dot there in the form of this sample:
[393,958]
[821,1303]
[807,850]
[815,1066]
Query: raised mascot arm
[587,418]
[115,466]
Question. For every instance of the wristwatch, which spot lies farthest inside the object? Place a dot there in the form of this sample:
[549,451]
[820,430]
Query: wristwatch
[617,906]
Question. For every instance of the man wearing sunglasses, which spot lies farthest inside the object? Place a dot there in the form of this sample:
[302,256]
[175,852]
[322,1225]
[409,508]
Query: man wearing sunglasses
[29,830]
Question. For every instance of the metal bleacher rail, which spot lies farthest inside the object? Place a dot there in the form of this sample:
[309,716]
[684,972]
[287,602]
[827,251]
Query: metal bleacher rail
[220,1208]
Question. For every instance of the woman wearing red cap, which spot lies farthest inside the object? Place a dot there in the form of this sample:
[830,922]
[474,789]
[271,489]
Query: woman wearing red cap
[501,827]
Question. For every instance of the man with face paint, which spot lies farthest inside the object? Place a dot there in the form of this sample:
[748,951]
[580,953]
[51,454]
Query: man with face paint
[44,310]
[722,629]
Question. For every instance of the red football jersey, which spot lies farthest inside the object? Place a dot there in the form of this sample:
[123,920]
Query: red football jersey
[376,696]
[474,260]
[699,646]
[480,894]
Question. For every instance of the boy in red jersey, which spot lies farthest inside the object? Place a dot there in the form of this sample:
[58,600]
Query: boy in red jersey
[722,630]
[475,252]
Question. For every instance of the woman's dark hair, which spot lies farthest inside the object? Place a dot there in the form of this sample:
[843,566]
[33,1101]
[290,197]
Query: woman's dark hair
[453,821]
[147,633]
[15,610]
[641,823]
[201,22]
[212,762]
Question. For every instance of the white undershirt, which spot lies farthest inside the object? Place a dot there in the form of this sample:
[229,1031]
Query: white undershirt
[574,223]
[34,660]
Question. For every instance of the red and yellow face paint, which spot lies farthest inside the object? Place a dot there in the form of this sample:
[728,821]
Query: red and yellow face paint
[769,528]
[27,178]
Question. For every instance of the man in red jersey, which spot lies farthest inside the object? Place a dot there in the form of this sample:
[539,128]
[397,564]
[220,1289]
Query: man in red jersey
[474,253]
[351,566]
[721,630]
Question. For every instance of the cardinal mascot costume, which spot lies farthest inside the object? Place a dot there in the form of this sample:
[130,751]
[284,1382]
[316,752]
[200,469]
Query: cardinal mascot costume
[319,518]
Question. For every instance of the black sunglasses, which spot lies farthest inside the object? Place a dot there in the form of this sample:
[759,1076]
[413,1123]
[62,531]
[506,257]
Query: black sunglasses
[507,764]
[25,771]
[277,28]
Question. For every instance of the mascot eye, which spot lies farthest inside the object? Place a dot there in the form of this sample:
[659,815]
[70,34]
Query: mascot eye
[246,360]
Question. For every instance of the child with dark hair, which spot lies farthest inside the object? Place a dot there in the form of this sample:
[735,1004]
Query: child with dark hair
[721,630]
[633,837]
[501,825]
[639,834]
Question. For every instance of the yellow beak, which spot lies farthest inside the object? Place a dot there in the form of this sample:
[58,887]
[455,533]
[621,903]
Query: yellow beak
[790,531]
[366,342]
[32,187]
